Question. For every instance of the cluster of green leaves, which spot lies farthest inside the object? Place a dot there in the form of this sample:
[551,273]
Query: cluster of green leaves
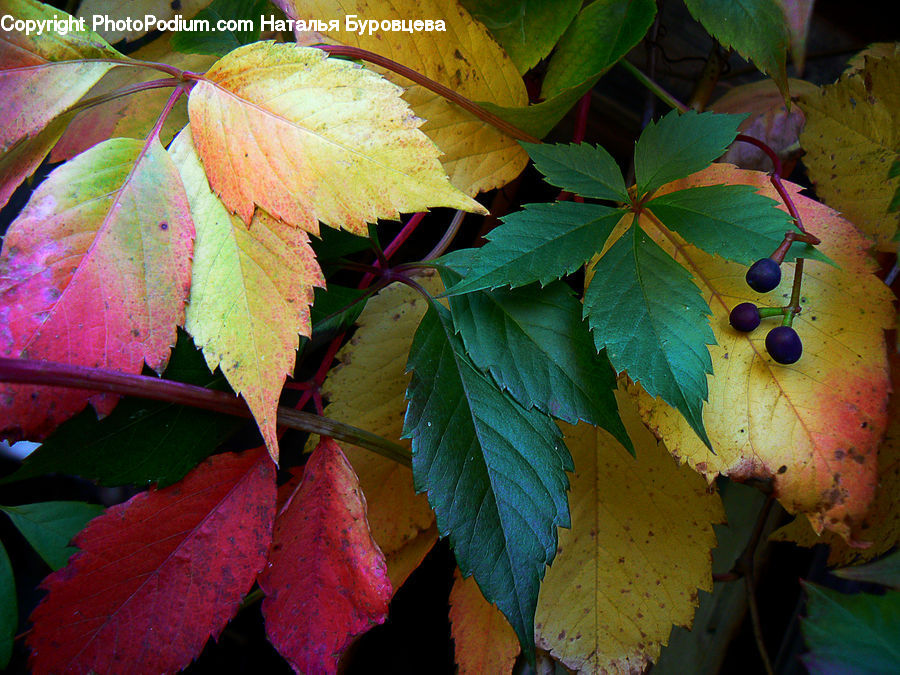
[515,349]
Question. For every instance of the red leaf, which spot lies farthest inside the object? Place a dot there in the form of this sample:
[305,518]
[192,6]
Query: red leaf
[159,574]
[326,581]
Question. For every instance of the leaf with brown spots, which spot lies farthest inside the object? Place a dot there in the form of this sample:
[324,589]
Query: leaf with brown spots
[326,581]
[638,550]
[812,427]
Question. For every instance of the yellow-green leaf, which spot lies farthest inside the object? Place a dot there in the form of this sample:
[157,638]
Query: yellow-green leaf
[250,295]
[851,138]
[465,58]
[813,428]
[638,550]
[116,14]
[309,139]
[368,389]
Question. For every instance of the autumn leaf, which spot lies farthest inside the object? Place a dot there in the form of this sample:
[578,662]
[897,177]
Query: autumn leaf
[160,574]
[477,157]
[326,581]
[638,550]
[851,139]
[250,295]
[797,14]
[813,428]
[42,75]
[367,388]
[258,124]
[484,640]
[881,526]
[131,116]
[119,11]
[94,271]
[23,158]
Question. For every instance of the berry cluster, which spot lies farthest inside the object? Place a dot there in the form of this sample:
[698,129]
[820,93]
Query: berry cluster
[782,343]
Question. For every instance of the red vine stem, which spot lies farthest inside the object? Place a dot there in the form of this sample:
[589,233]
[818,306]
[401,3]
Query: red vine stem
[428,83]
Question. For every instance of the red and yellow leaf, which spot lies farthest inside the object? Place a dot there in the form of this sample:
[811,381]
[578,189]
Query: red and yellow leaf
[638,550]
[251,292]
[310,139]
[812,427]
[368,389]
[464,57]
[160,574]
[485,642]
[326,582]
[42,75]
[94,271]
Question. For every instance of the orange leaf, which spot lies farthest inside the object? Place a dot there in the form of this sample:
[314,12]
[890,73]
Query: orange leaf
[485,642]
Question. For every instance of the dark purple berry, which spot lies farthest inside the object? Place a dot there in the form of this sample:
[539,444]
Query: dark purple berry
[745,317]
[764,275]
[783,344]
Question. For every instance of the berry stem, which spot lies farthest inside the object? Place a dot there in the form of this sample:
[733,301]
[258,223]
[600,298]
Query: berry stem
[767,312]
[794,307]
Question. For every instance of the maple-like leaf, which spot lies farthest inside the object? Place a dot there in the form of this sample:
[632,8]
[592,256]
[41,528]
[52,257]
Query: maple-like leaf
[464,57]
[131,116]
[313,139]
[368,388]
[251,292]
[94,271]
[881,526]
[851,139]
[42,75]
[160,574]
[326,581]
[494,471]
[814,427]
[637,552]
[484,640]
[116,12]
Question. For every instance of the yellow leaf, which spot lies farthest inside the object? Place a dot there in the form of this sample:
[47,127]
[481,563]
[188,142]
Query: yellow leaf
[250,293]
[812,427]
[131,116]
[485,642]
[368,389]
[851,138]
[882,523]
[310,138]
[464,57]
[876,50]
[116,12]
[637,552]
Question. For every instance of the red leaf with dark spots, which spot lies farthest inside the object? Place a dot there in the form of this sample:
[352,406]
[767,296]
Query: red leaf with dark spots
[326,581]
[159,574]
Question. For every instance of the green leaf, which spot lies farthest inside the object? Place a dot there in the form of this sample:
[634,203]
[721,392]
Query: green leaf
[494,471]
[9,608]
[681,144]
[586,170]
[755,28]
[50,526]
[644,309]
[336,308]
[526,29]
[140,441]
[895,200]
[885,572]
[601,34]
[331,244]
[732,221]
[542,242]
[535,344]
[221,42]
[851,633]
[540,118]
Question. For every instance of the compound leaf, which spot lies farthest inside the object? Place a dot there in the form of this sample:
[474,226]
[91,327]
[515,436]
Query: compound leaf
[326,580]
[169,565]
[586,170]
[94,271]
[645,311]
[264,139]
[494,471]
[680,144]
[50,526]
[542,242]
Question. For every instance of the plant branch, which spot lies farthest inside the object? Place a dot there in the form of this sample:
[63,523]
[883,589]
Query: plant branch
[660,93]
[121,92]
[428,83]
[448,237]
[28,371]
